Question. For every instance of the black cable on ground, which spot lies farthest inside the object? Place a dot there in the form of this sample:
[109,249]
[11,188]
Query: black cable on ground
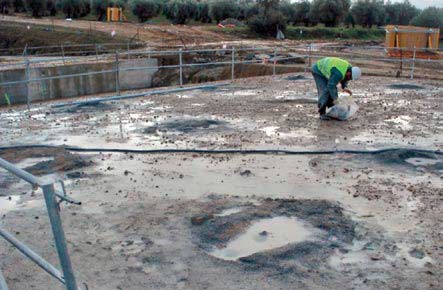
[227,151]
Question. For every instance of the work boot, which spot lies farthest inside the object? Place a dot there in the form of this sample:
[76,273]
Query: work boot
[324,118]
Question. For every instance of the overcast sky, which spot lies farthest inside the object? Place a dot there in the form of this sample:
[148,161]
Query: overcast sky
[423,3]
[417,3]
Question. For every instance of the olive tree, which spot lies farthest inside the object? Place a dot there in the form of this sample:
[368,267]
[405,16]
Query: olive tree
[430,17]
[146,9]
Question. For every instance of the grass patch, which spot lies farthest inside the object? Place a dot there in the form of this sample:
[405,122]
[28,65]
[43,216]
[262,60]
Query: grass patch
[15,36]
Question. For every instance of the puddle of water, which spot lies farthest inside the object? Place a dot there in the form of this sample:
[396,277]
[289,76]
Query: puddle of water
[402,122]
[264,235]
[406,86]
[8,203]
[245,93]
[405,253]
[230,211]
[270,131]
[299,133]
[422,161]
[184,96]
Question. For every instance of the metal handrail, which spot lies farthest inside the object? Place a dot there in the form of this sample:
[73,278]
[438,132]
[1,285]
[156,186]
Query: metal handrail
[52,205]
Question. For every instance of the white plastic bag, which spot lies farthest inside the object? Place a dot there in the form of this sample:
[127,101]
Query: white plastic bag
[344,108]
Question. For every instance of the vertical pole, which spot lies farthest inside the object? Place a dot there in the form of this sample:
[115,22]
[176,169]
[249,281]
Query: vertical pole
[413,63]
[63,53]
[233,63]
[96,52]
[3,285]
[274,63]
[59,236]
[117,76]
[350,50]
[28,89]
[309,56]
[307,52]
[129,56]
[180,59]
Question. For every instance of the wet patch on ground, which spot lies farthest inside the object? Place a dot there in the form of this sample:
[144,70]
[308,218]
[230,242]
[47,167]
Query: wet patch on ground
[314,230]
[413,159]
[58,160]
[87,108]
[406,87]
[296,78]
[184,126]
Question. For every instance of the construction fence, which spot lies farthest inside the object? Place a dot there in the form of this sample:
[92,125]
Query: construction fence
[268,60]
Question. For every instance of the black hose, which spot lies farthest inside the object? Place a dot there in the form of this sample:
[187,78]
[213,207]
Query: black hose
[226,151]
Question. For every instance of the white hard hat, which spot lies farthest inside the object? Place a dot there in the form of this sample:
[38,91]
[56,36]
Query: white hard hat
[356,73]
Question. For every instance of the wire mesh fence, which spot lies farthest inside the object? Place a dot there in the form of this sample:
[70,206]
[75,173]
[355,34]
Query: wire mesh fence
[301,57]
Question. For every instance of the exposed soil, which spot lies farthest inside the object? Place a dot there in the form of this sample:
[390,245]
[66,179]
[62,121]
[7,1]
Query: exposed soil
[16,36]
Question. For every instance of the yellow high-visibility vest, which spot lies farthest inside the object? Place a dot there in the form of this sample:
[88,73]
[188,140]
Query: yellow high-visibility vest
[326,64]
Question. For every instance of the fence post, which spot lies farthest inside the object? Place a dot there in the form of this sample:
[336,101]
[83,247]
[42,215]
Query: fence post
[309,56]
[96,52]
[28,75]
[63,53]
[274,62]
[59,236]
[233,63]
[129,56]
[307,53]
[413,63]
[3,285]
[180,60]
[117,74]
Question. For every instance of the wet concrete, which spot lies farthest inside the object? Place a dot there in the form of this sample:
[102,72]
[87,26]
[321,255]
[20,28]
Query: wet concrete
[377,215]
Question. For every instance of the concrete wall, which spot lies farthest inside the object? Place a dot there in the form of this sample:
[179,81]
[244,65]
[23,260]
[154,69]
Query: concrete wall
[74,86]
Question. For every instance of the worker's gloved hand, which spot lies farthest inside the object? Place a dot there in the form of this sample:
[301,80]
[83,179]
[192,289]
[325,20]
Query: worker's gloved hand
[348,91]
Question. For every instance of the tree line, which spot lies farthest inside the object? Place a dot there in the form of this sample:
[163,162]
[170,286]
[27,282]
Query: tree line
[262,16]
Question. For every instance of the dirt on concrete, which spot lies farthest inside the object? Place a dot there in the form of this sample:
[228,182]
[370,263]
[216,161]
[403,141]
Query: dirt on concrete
[154,221]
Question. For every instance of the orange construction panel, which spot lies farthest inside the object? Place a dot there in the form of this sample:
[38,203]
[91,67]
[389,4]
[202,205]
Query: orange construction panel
[401,40]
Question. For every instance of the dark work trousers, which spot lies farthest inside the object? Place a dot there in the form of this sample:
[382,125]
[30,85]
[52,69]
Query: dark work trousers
[324,98]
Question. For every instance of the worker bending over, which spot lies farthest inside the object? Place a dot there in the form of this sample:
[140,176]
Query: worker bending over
[328,72]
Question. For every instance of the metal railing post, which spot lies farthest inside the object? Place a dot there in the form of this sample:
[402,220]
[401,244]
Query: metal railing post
[28,252]
[309,56]
[274,63]
[129,55]
[233,63]
[59,236]
[117,74]
[63,53]
[96,52]
[413,63]
[180,60]
[306,52]
[28,75]
[3,285]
